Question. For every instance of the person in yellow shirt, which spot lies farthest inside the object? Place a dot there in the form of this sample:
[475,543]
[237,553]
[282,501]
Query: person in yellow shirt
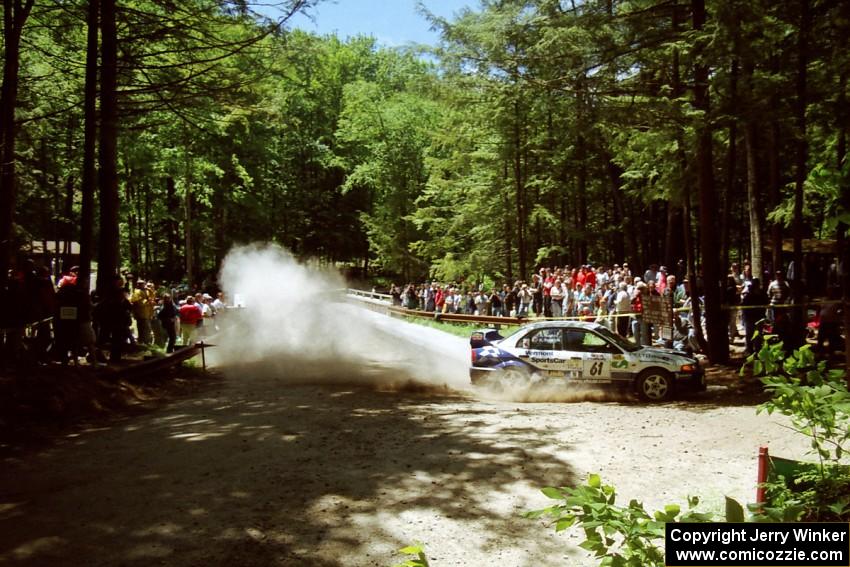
[142,301]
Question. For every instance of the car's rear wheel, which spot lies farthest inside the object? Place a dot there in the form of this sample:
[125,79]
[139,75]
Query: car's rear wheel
[513,375]
[655,385]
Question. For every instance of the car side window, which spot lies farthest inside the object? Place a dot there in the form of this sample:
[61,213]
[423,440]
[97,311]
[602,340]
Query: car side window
[544,339]
[585,341]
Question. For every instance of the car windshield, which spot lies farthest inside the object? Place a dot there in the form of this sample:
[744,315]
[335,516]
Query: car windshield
[617,340]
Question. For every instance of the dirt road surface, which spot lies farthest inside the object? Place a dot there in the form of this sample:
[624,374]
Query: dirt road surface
[259,469]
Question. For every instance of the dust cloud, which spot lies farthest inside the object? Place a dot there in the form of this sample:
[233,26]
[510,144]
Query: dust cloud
[297,327]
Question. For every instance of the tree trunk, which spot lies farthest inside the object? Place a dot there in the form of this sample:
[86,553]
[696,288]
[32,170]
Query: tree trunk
[147,237]
[15,15]
[507,231]
[187,227]
[754,188]
[172,228]
[109,252]
[132,224]
[754,200]
[581,191]
[520,193]
[841,230]
[729,193]
[801,171]
[718,342]
[89,173]
[614,180]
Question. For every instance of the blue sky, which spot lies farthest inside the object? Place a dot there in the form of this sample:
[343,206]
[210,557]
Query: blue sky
[392,22]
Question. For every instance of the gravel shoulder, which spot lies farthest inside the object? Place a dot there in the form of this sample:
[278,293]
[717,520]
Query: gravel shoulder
[301,463]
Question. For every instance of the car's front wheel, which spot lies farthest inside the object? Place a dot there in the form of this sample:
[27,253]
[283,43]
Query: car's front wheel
[655,385]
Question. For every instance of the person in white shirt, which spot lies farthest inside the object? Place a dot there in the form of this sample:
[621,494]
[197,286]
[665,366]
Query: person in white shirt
[623,305]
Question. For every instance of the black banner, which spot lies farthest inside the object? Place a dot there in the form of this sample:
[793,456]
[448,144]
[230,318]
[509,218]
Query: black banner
[758,545]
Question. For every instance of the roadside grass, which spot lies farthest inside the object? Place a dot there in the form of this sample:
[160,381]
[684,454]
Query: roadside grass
[458,329]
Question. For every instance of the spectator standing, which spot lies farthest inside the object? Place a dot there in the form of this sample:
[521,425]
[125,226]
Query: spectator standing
[511,299]
[651,274]
[114,311]
[536,289]
[779,293]
[190,316]
[730,298]
[167,316]
[525,298]
[557,295]
[638,326]
[590,277]
[143,301]
[752,313]
[495,303]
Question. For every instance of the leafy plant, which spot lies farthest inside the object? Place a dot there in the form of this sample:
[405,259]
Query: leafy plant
[620,536]
[817,401]
[418,559]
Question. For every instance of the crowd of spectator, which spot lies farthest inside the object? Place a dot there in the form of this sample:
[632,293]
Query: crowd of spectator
[59,320]
[614,295]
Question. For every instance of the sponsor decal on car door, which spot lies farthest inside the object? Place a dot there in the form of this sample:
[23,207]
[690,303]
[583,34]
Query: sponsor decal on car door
[595,352]
[543,348]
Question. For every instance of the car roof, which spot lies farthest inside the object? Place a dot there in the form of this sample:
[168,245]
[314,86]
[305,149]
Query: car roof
[562,325]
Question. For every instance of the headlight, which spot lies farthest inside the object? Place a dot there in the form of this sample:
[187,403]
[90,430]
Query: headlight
[687,368]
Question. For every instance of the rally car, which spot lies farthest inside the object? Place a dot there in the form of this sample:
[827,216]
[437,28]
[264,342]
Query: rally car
[569,352]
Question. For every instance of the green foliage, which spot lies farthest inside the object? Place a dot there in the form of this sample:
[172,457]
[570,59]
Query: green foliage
[418,559]
[619,536]
[534,134]
[817,401]
[814,397]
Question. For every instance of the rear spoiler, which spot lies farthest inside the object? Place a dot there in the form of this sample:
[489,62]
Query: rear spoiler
[484,337]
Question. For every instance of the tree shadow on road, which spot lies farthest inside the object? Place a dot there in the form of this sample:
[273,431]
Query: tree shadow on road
[259,471]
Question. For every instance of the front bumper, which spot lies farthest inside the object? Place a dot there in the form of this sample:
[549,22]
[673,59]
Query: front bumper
[691,381]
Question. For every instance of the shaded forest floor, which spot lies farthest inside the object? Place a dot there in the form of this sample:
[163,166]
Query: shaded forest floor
[42,402]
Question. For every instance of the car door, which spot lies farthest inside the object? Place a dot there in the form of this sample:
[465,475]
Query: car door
[544,349]
[596,354]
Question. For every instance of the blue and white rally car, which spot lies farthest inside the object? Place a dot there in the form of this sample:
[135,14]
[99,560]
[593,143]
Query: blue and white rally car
[574,353]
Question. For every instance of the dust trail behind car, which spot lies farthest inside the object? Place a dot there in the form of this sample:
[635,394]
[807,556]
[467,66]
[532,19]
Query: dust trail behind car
[297,327]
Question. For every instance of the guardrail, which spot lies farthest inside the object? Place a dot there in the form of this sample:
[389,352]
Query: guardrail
[161,363]
[369,294]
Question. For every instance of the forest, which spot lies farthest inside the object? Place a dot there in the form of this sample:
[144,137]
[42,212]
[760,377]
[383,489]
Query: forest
[159,133]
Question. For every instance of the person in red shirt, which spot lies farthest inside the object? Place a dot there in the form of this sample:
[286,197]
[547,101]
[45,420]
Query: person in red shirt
[581,276]
[590,277]
[190,315]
